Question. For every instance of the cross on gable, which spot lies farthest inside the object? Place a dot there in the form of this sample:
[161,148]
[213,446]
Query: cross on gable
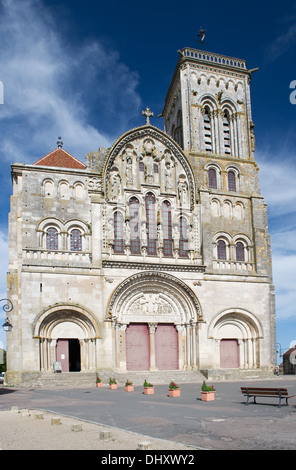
[148,114]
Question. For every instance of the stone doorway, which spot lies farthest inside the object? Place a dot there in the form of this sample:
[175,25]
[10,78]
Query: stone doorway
[68,354]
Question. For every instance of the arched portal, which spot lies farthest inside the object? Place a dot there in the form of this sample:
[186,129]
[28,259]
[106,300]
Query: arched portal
[155,320]
[67,334]
[236,334]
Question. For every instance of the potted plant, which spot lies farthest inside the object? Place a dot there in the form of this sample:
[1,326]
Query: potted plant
[207,392]
[129,386]
[112,384]
[174,390]
[148,388]
[99,382]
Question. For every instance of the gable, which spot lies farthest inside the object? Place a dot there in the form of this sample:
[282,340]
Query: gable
[144,158]
[61,159]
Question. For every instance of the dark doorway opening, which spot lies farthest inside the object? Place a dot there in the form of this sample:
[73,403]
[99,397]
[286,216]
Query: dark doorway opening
[74,355]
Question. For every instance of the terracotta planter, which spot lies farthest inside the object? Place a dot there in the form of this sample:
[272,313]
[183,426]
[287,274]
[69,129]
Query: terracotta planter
[113,386]
[148,390]
[129,388]
[176,392]
[207,396]
[99,384]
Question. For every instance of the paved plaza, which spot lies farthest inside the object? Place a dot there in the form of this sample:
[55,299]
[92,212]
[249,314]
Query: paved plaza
[226,423]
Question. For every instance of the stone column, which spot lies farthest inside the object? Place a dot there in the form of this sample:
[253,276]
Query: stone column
[152,328]
[180,329]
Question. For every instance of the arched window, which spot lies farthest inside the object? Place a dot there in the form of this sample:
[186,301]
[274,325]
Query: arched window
[183,244]
[240,251]
[231,181]
[75,240]
[151,224]
[226,133]
[134,208]
[212,178]
[221,249]
[167,229]
[178,132]
[52,239]
[141,166]
[118,233]
[208,130]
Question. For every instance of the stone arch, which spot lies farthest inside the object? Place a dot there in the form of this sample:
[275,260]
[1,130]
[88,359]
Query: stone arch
[66,321]
[166,290]
[241,326]
[155,301]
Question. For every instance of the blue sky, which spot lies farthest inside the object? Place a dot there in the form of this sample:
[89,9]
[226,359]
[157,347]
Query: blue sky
[86,70]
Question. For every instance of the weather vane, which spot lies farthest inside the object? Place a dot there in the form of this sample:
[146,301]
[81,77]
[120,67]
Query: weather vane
[201,35]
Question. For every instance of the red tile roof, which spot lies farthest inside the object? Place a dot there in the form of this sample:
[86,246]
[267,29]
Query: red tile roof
[60,158]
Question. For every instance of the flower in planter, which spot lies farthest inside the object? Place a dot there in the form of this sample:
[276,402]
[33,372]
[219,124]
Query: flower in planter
[98,380]
[173,386]
[112,381]
[207,388]
[147,384]
[128,382]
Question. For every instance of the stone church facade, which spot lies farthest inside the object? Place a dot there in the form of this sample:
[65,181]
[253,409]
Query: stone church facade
[154,255]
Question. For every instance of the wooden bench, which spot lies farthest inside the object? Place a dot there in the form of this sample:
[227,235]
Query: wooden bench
[281,393]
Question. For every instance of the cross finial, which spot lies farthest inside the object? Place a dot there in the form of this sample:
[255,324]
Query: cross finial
[148,114]
[60,143]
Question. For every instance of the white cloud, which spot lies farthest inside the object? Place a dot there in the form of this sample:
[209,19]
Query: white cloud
[281,43]
[52,88]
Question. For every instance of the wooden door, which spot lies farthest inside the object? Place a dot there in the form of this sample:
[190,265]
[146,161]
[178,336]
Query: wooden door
[62,353]
[229,355]
[166,347]
[137,347]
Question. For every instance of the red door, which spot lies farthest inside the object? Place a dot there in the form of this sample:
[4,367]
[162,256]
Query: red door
[62,353]
[166,346]
[229,357]
[137,347]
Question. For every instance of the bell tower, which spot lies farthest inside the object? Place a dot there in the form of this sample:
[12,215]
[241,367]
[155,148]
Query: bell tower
[208,108]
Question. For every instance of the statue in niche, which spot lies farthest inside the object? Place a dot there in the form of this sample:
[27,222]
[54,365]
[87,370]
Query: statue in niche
[149,154]
[176,238]
[144,235]
[149,148]
[115,183]
[160,235]
[129,168]
[127,233]
[183,191]
[149,174]
[168,176]
[190,239]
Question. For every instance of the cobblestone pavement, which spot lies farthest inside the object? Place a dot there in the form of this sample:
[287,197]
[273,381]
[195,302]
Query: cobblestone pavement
[224,424]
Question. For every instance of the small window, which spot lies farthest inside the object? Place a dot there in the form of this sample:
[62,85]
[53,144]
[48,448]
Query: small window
[134,210]
[141,166]
[226,133]
[221,249]
[151,224]
[212,178]
[167,229]
[240,251]
[52,239]
[207,131]
[231,181]
[118,233]
[76,240]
